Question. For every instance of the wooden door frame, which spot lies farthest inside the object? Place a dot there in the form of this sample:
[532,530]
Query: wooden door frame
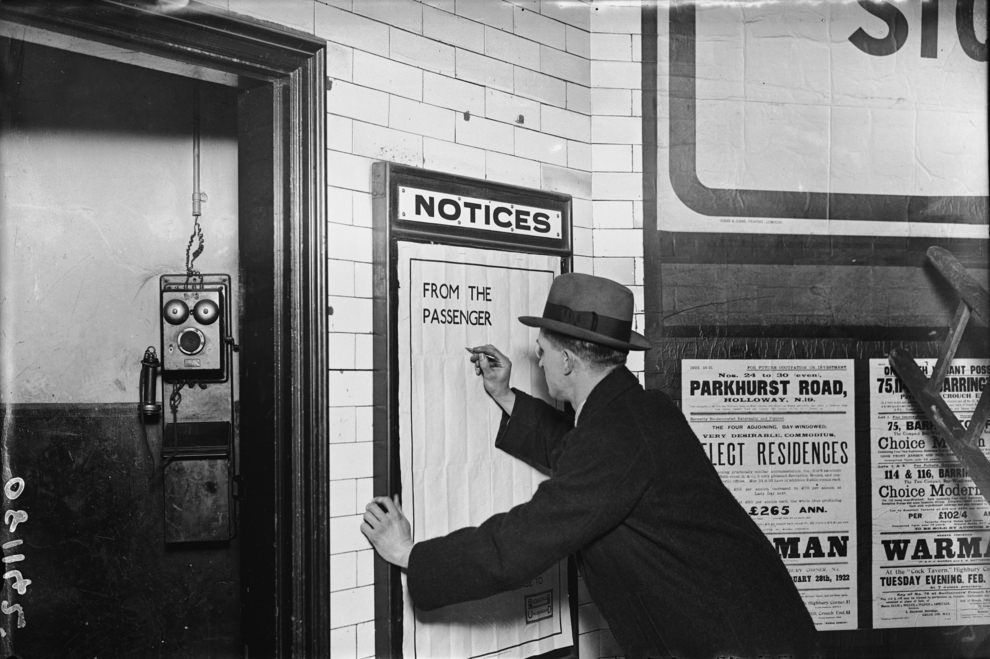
[279,77]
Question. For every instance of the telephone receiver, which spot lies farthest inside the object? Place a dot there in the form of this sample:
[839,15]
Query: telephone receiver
[149,406]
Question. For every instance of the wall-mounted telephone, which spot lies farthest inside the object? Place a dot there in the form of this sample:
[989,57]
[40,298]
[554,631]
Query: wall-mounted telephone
[195,317]
[198,439]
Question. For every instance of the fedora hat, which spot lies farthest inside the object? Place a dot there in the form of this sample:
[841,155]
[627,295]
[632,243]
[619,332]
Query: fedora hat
[592,309]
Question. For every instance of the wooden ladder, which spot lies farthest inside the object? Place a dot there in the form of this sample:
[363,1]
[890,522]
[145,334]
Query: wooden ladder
[927,391]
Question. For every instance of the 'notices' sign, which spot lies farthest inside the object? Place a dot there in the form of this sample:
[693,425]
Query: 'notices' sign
[431,207]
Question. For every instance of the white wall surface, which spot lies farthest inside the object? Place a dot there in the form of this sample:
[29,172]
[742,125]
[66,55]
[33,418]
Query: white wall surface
[96,201]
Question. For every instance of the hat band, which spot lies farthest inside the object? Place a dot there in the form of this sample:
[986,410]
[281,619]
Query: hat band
[589,320]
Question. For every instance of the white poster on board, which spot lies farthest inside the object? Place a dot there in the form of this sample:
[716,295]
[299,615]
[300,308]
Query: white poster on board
[452,474]
[931,523]
[781,435]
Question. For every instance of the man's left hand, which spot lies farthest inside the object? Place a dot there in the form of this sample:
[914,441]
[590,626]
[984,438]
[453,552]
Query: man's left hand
[388,530]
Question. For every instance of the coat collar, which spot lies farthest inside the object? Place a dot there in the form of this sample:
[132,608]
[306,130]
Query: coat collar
[616,383]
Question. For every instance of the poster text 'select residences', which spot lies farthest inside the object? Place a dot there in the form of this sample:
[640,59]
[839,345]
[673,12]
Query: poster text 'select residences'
[781,435]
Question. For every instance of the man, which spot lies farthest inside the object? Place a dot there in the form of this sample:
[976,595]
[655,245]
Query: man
[675,565]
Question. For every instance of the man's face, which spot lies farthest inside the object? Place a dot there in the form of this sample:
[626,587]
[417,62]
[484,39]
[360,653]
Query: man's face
[551,360]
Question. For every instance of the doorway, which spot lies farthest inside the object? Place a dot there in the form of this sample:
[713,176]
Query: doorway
[88,453]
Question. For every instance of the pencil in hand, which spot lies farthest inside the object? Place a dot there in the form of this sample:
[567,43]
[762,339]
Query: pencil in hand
[492,360]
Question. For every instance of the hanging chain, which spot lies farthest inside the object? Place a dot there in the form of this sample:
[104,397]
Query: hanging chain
[197,235]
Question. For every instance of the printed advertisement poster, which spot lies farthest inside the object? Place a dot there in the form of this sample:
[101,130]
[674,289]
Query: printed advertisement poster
[931,524]
[780,433]
[823,118]
[452,475]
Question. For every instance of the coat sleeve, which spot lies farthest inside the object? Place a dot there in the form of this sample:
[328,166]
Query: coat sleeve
[596,483]
[534,432]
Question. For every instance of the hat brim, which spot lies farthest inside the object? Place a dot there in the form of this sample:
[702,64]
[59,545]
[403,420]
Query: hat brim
[636,340]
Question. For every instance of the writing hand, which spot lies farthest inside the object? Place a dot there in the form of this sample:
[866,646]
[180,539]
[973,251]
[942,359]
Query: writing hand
[495,369]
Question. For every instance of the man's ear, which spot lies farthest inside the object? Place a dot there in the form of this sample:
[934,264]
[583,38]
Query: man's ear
[567,361]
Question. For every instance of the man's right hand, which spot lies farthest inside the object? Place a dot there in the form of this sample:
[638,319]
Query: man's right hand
[494,368]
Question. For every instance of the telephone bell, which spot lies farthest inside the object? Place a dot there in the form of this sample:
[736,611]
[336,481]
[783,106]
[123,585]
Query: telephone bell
[195,316]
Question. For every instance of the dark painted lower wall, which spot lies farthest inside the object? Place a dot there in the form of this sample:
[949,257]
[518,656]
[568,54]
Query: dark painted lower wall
[103,583]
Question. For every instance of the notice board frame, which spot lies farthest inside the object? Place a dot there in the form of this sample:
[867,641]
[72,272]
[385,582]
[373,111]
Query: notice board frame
[388,229]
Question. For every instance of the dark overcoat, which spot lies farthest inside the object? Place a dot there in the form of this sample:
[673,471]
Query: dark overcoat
[674,563]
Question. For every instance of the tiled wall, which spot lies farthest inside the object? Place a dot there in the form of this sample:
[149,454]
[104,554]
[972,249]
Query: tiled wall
[541,94]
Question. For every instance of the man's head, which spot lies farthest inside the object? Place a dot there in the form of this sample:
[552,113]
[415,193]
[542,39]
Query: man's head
[585,332]
[569,363]
[595,355]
